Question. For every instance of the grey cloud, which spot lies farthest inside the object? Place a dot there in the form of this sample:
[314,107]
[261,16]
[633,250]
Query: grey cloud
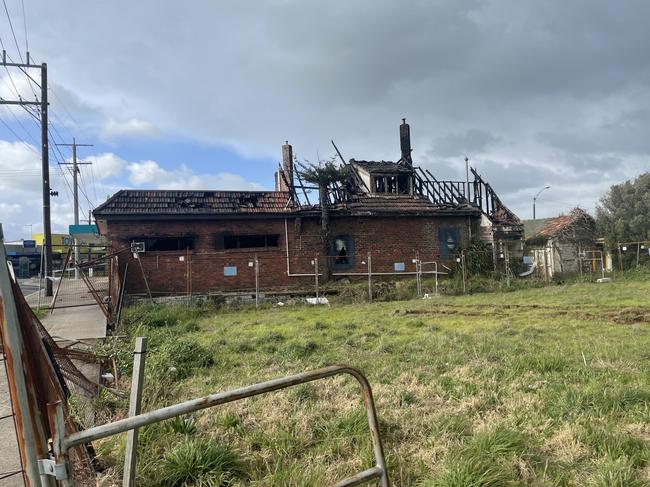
[566,84]
[463,144]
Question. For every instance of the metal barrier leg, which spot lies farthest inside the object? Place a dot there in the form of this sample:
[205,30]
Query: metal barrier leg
[379,471]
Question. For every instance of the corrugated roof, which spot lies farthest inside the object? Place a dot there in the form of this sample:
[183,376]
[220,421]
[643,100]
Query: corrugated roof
[159,202]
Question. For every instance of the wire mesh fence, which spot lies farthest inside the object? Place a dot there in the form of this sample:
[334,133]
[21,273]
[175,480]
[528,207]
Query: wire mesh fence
[73,285]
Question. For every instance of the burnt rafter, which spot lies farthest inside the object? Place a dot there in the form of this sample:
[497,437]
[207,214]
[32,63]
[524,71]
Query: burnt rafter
[489,202]
[372,179]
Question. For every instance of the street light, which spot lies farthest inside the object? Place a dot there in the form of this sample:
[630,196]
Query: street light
[536,196]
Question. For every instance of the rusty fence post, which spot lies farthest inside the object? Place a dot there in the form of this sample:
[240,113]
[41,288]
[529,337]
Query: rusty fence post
[131,454]
[32,440]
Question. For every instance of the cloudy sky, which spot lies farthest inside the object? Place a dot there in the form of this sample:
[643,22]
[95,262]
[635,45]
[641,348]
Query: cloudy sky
[202,95]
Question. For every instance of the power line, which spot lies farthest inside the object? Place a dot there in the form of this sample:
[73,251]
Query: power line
[25,25]
[13,33]
[92,176]
[29,135]
[65,109]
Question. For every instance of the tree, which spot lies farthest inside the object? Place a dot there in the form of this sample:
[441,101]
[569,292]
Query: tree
[623,213]
[323,174]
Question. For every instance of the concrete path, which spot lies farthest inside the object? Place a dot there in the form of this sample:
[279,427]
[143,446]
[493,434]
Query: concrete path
[83,322]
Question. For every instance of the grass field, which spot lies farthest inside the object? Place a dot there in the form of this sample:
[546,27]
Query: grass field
[536,387]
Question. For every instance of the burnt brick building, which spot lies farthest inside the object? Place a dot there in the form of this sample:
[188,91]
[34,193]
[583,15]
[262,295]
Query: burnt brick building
[198,242]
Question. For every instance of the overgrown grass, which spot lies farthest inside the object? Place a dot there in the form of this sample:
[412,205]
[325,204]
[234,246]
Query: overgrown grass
[546,386]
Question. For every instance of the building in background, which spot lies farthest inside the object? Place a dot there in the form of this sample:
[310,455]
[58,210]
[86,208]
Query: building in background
[565,244]
[209,241]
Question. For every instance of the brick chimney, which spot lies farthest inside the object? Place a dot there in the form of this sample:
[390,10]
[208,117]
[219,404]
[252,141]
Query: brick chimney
[405,142]
[287,167]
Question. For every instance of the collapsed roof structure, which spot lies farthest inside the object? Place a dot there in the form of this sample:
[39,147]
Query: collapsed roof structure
[393,209]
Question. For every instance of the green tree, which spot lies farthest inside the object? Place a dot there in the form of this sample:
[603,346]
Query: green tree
[623,214]
[324,174]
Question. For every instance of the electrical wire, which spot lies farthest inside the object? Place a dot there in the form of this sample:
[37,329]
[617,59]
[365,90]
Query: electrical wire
[83,192]
[25,25]
[13,33]
[29,135]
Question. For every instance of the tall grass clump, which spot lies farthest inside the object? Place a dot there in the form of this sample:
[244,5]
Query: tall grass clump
[200,462]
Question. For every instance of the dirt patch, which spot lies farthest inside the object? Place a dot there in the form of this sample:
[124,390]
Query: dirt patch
[623,316]
[447,311]
[629,316]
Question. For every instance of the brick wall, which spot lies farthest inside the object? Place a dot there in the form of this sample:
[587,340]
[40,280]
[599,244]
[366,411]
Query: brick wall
[201,270]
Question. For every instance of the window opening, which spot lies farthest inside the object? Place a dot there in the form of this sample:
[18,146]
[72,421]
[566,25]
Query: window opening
[343,252]
[449,239]
[166,244]
[250,241]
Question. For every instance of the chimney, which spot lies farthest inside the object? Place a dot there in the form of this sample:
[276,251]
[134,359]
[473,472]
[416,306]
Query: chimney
[405,142]
[287,168]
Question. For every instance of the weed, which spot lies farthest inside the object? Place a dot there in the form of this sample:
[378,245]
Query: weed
[229,421]
[201,462]
[183,425]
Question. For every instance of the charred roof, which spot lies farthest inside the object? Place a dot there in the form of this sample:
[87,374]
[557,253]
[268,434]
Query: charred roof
[171,202]
[381,166]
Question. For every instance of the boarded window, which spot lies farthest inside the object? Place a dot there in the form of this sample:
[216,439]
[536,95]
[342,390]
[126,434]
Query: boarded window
[343,252]
[165,244]
[249,241]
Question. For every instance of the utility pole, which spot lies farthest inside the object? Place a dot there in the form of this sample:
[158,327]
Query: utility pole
[45,159]
[75,192]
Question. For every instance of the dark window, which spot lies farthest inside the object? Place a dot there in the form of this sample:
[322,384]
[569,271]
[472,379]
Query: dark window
[380,184]
[449,238]
[250,241]
[343,252]
[403,183]
[392,184]
[162,244]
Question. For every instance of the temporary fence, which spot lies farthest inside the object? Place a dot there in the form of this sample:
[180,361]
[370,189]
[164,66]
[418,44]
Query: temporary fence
[152,274]
[83,284]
